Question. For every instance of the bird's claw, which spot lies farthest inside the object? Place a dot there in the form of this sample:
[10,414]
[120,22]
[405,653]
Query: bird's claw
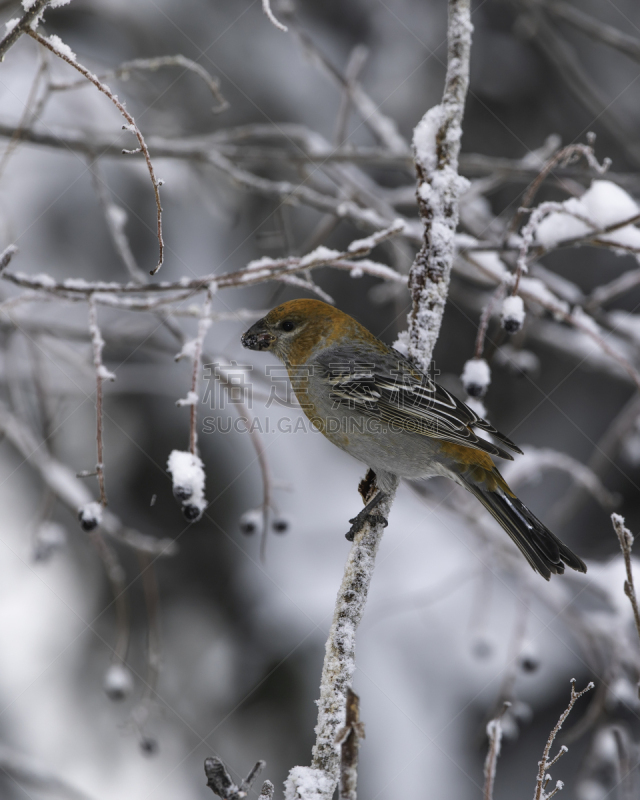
[357,523]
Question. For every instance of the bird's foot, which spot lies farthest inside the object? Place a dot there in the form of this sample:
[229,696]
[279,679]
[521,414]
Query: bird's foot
[366,515]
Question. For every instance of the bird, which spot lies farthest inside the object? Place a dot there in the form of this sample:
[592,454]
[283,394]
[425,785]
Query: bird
[372,402]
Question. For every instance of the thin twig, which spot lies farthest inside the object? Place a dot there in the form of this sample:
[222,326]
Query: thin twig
[140,714]
[132,126]
[151,65]
[194,348]
[568,155]
[116,575]
[547,763]
[116,218]
[564,58]
[595,28]
[97,343]
[625,537]
[494,732]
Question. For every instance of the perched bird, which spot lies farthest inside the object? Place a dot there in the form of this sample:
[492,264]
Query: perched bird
[369,400]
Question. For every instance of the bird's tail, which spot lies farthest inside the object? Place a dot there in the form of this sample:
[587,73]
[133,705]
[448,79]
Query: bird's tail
[542,549]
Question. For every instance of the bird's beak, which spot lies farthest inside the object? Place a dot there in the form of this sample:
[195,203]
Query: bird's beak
[258,337]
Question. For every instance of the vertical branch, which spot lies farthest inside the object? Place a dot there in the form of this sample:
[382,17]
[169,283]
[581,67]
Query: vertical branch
[339,662]
[101,374]
[625,537]
[204,324]
[544,778]
[436,146]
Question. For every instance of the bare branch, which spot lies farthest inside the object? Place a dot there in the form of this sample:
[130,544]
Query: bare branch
[563,56]
[547,762]
[102,373]
[625,537]
[595,28]
[131,126]
[152,65]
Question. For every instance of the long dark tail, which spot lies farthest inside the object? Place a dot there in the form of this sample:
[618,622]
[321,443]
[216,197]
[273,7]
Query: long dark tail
[544,551]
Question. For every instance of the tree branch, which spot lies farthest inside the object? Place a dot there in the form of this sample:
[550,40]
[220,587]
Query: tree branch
[436,152]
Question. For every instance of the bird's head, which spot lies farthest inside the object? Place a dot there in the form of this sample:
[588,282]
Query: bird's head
[294,330]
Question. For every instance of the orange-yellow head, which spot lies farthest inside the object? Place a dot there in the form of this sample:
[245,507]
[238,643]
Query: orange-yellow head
[295,330]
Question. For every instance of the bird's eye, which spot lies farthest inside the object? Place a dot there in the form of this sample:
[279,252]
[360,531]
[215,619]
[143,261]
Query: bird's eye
[287,325]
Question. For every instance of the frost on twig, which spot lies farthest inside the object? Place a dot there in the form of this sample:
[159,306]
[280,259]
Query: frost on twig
[625,537]
[187,472]
[547,762]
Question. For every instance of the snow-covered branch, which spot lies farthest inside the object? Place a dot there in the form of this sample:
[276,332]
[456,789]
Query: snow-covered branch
[436,143]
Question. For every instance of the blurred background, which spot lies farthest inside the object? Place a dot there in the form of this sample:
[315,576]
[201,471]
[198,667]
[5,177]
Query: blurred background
[225,648]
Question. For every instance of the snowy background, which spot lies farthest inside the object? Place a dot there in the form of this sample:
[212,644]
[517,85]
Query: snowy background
[455,622]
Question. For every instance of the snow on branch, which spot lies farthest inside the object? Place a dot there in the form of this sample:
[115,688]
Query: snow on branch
[16,27]
[436,144]
[266,7]
[258,271]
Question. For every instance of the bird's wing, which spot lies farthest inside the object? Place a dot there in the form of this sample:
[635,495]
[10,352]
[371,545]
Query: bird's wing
[390,388]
